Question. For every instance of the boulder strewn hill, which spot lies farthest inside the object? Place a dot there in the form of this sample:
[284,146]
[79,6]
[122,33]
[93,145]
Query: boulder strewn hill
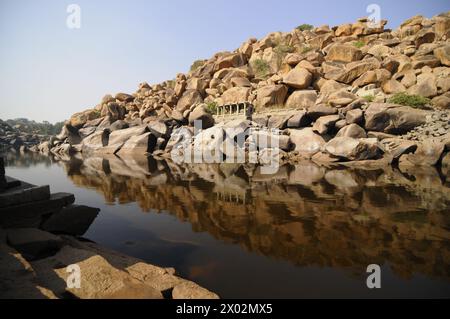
[345,93]
[23,133]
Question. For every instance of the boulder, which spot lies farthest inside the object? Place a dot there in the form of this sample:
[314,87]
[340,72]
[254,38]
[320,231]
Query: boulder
[44,147]
[306,141]
[426,86]
[71,134]
[320,110]
[300,119]
[113,111]
[443,54]
[72,220]
[107,99]
[302,99]
[353,70]
[189,290]
[123,97]
[293,59]
[95,141]
[180,87]
[85,132]
[158,128]
[330,86]
[100,279]
[203,116]
[352,149]
[341,98]
[197,84]
[344,30]
[442,102]
[277,121]
[63,149]
[442,26]
[140,144]
[266,139]
[393,119]
[420,61]
[240,82]
[354,116]
[271,95]
[118,138]
[229,60]
[207,145]
[236,129]
[180,139]
[298,78]
[79,119]
[33,243]
[236,95]
[427,154]
[325,124]
[189,98]
[424,36]
[393,86]
[380,51]
[352,130]
[118,125]
[396,147]
[344,53]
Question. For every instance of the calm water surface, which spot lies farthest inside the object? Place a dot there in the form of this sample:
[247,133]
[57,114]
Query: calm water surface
[305,232]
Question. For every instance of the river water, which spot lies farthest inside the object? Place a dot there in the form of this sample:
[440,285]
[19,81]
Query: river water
[304,232]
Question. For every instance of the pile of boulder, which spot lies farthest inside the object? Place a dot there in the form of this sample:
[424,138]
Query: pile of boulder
[326,90]
[14,138]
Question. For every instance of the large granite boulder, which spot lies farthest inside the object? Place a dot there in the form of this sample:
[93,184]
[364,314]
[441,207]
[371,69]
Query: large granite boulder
[201,115]
[140,144]
[271,95]
[353,149]
[306,141]
[118,138]
[393,119]
[95,141]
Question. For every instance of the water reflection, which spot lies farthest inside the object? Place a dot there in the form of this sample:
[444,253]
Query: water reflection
[305,214]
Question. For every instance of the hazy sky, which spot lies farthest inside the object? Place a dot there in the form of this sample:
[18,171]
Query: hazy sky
[49,71]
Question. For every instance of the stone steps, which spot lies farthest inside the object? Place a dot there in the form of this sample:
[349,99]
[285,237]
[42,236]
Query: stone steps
[23,194]
[32,214]
[6,182]
[9,183]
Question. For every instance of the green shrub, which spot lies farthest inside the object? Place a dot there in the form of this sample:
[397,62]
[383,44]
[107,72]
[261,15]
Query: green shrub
[197,64]
[369,98]
[284,49]
[359,44]
[281,50]
[261,68]
[305,27]
[211,107]
[306,49]
[415,101]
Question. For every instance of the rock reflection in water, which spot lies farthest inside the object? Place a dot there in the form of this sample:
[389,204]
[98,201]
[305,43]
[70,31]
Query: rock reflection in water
[305,214]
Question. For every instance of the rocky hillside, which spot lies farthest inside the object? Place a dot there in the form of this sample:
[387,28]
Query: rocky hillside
[343,93]
[21,134]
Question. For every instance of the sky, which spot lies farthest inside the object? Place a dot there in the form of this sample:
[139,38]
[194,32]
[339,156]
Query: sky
[49,71]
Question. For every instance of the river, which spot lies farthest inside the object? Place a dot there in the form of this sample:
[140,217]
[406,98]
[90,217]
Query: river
[304,232]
